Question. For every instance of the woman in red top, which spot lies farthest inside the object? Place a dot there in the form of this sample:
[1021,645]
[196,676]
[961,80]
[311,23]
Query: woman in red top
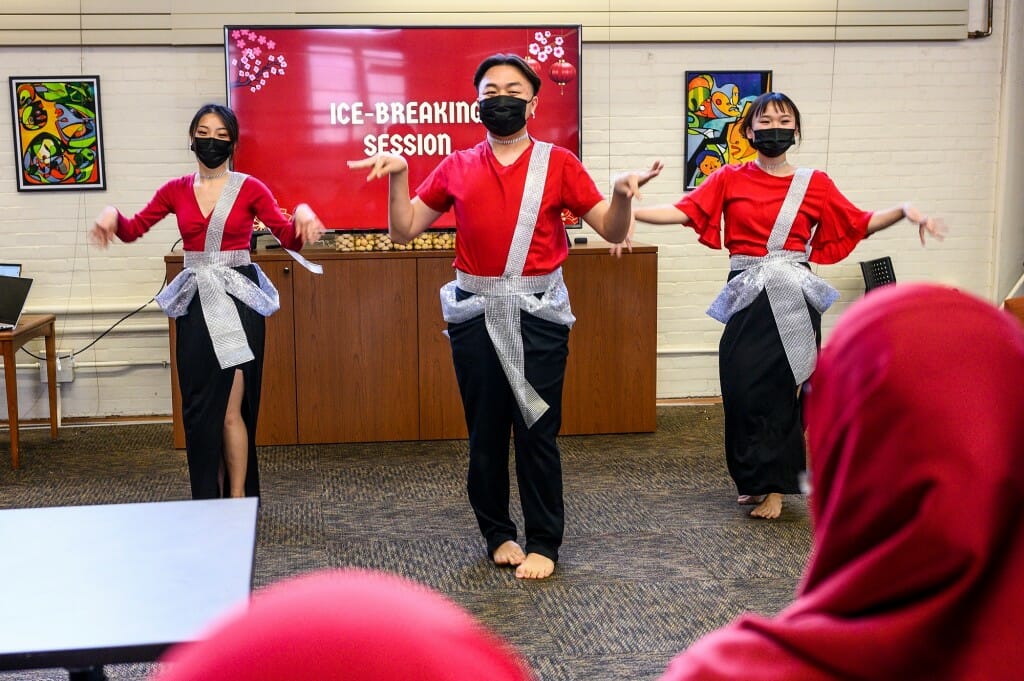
[508,312]
[220,331]
[914,433]
[772,305]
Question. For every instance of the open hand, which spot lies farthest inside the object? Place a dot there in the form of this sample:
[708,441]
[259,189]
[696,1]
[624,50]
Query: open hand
[628,184]
[307,224]
[104,227]
[380,165]
[934,226]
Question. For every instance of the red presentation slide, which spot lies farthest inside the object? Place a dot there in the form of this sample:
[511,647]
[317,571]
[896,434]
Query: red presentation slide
[309,99]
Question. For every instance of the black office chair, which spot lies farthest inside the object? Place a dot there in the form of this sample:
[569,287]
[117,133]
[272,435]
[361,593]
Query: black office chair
[877,273]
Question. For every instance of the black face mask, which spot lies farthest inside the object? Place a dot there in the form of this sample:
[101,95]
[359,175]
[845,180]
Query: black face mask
[211,151]
[503,115]
[772,142]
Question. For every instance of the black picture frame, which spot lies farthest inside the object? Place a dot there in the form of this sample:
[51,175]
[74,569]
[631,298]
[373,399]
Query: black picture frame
[58,133]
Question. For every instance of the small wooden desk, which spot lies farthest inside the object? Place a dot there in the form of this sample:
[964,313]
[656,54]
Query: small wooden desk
[31,326]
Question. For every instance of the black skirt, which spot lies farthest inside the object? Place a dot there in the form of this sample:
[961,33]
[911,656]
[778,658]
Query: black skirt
[204,397]
[764,433]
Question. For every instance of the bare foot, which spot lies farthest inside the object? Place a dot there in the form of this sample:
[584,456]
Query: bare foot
[749,499]
[535,566]
[770,508]
[509,553]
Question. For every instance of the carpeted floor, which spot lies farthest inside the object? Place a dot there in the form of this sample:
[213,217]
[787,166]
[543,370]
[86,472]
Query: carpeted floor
[656,551]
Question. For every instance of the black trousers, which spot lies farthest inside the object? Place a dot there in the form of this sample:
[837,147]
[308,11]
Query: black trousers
[205,388]
[764,432]
[492,413]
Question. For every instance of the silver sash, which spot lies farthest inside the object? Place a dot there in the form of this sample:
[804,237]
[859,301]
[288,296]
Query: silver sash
[790,286]
[500,299]
[210,273]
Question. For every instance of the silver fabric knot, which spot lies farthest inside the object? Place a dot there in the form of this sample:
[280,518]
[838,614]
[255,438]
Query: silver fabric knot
[500,300]
[212,276]
[790,287]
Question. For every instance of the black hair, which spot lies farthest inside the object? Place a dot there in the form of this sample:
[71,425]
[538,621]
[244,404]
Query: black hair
[509,60]
[226,115]
[779,100]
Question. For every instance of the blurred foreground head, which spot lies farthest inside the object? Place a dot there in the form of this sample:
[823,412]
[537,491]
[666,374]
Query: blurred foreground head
[346,624]
[915,427]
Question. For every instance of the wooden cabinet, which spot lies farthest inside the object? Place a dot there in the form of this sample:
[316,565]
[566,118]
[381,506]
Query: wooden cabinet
[355,349]
[440,406]
[358,354]
[610,380]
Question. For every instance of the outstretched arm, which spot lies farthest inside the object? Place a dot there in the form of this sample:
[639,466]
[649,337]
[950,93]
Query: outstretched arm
[662,215]
[612,219]
[883,219]
[407,217]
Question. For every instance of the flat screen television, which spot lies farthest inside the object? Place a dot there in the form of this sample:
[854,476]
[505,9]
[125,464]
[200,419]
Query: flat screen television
[310,98]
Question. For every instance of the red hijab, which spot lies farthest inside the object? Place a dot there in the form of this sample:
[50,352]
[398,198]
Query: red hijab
[915,424]
[346,624]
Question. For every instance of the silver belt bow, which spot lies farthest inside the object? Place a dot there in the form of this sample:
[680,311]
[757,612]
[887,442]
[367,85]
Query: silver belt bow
[789,284]
[211,275]
[500,300]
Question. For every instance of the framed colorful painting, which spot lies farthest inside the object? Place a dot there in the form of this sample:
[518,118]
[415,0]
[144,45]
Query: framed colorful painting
[715,103]
[58,141]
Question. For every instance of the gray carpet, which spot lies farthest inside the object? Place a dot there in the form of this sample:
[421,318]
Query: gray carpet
[656,551]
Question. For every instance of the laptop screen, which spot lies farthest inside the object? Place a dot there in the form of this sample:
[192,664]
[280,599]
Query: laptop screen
[9,269]
[13,294]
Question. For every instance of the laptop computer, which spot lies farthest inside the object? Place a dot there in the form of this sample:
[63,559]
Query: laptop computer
[13,294]
[9,269]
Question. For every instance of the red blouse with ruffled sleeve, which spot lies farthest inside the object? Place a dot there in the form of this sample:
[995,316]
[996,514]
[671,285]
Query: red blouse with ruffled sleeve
[749,199]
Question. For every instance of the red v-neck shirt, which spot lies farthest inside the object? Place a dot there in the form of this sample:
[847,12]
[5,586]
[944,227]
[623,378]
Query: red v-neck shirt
[750,199]
[487,195]
[178,196]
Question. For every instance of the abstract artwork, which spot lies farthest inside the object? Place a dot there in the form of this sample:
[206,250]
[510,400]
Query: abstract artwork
[715,103]
[57,134]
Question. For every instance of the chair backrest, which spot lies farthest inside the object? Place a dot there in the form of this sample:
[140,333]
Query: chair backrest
[877,273]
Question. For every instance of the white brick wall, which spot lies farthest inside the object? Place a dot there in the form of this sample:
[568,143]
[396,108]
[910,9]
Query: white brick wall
[888,121]
[148,96]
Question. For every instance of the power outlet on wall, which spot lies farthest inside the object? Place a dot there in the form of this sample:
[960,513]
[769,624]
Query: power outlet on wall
[65,367]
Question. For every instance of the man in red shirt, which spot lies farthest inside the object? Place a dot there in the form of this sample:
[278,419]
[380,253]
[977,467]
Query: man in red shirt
[508,311]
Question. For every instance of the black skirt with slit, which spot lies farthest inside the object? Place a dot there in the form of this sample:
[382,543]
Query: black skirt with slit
[764,433]
[205,388]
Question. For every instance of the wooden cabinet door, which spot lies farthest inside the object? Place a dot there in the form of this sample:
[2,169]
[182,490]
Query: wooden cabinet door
[356,361]
[277,423]
[610,380]
[441,414]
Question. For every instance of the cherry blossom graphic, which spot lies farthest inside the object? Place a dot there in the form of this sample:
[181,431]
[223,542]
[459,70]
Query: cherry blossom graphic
[257,61]
[544,48]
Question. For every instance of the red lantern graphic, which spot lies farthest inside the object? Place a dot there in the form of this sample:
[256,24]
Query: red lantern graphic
[533,64]
[562,72]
